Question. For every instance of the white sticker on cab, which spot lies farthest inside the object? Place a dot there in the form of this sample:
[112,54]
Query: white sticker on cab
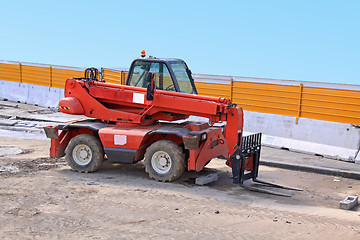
[120,139]
[138,98]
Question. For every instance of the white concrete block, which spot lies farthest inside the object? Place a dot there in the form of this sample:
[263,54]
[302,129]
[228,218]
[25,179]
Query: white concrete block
[325,150]
[206,179]
[43,96]
[349,202]
[62,93]
[331,139]
[310,130]
[357,159]
[31,94]
[13,91]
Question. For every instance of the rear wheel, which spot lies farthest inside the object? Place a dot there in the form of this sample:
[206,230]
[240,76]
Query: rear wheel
[84,153]
[164,161]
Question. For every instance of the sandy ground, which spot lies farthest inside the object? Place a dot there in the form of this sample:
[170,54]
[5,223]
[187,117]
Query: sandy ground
[41,198]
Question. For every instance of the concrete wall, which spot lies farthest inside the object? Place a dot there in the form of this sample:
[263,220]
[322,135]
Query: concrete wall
[330,139]
[31,94]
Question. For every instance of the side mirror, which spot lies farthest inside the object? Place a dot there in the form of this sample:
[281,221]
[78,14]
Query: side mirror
[151,80]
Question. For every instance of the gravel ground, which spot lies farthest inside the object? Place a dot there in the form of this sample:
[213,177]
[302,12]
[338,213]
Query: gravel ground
[41,198]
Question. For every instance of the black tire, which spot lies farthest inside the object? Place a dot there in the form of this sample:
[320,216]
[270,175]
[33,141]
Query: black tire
[168,152]
[84,153]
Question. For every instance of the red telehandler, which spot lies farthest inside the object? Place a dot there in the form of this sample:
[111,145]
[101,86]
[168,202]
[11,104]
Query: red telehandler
[146,120]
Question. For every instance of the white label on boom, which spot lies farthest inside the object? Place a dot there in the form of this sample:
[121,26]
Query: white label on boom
[138,98]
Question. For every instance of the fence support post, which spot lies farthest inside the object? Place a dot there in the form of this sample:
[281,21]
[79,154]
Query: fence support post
[122,79]
[299,105]
[51,78]
[20,69]
[231,89]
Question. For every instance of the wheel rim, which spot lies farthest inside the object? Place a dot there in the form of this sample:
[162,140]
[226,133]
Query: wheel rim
[82,154]
[161,162]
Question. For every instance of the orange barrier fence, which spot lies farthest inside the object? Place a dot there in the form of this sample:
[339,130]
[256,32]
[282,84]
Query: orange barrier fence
[38,74]
[329,102]
[113,76]
[320,101]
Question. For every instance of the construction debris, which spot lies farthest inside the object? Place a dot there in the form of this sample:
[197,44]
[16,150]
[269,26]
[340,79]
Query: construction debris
[349,202]
[206,179]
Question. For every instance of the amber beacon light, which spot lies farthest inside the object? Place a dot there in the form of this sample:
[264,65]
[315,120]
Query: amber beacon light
[143,53]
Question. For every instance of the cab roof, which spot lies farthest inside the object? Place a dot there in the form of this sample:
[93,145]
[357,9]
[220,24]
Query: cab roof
[155,59]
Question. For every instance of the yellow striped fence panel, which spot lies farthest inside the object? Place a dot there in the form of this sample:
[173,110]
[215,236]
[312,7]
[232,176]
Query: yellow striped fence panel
[335,105]
[114,76]
[213,90]
[322,103]
[267,98]
[38,74]
[60,75]
[10,71]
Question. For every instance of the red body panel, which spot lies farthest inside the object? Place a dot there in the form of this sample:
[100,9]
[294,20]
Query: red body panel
[71,105]
[116,137]
[58,146]
[214,146]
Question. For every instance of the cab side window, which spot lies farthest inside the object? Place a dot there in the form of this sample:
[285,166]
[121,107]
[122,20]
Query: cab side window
[163,79]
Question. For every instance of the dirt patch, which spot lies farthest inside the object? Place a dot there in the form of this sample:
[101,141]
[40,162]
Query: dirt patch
[10,150]
[19,167]
[45,199]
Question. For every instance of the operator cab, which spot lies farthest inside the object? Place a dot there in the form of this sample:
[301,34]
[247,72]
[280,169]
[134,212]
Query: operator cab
[171,74]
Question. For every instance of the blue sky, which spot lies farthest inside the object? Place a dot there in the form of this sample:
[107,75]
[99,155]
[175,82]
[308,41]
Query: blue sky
[283,39]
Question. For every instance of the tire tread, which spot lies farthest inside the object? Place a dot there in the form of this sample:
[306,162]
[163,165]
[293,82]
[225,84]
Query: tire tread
[178,164]
[97,153]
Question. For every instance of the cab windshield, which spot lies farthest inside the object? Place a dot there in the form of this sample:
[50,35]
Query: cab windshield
[182,77]
[164,80]
[141,70]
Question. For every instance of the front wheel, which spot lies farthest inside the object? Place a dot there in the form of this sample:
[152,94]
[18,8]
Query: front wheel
[164,161]
[84,153]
